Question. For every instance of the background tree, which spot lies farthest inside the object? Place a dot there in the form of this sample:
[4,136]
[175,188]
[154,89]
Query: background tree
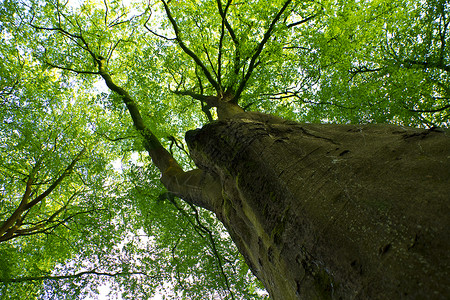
[178,65]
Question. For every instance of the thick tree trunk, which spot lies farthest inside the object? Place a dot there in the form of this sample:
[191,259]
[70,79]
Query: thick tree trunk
[333,211]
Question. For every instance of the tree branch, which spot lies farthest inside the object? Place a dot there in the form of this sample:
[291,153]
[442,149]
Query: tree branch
[210,100]
[189,51]
[442,33]
[106,12]
[195,186]
[428,110]
[178,144]
[160,157]
[199,227]
[363,69]
[205,107]
[253,61]
[190,186]
[153,32]
[71,36]
[4,92]
[72,276]
[301,21]
[295,94]
[70,69]
[226,24]
[209,60]
[39,228]
[223,14]
[408,63]
[5,229]
[66,172]
[116,139]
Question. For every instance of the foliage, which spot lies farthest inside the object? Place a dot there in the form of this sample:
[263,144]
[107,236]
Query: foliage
[67,141]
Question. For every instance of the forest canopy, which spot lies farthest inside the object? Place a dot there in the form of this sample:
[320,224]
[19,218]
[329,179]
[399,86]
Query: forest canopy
[81,203]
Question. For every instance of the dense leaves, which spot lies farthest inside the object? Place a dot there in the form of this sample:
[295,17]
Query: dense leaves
[81,203]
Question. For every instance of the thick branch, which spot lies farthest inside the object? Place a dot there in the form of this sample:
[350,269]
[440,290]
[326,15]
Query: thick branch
[189,51]
[43,225]
[193,186]
[66,172]
[212,101]
[160,157]
[187,185]
[226,24]
[71,36]
[205,109]
[443,33]
[223,14]
[210,61]
[8,228]
[19,210]
[253,61]
[196,187]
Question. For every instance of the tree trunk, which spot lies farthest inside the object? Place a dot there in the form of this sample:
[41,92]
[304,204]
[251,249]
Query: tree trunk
[333,211]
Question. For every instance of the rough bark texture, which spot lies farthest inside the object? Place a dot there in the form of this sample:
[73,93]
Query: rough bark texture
[333,211]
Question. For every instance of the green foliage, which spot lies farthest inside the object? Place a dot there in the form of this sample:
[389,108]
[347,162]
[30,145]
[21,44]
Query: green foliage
[190,251]
[348,62]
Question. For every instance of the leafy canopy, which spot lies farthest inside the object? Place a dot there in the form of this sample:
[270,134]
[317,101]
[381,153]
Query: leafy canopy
[81,204]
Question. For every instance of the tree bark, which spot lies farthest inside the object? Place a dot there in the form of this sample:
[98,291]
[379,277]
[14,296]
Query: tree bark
[333,211]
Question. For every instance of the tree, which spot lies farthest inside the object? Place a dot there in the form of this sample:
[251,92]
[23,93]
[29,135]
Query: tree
[317,211]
